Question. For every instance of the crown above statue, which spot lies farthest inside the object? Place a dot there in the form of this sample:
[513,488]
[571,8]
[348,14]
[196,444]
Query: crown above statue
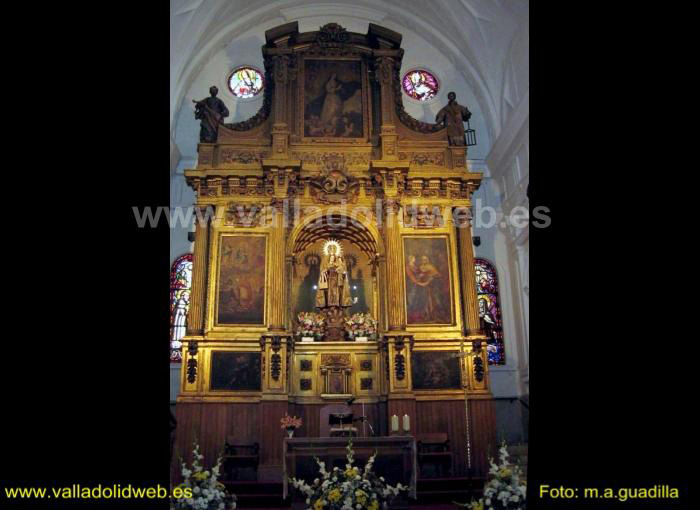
[332,242]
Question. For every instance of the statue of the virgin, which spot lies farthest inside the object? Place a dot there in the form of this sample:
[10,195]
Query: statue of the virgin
[333,282]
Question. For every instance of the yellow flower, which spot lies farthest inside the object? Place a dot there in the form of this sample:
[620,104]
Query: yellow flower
[334,495]
[504,472]
[477,505]
[318,505]
[202,475]
[361,497]
[374,505]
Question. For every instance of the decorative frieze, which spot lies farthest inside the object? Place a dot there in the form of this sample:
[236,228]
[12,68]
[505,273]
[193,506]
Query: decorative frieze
[423,158]
[244,214]
[321,157]
[228,155]
[423,216]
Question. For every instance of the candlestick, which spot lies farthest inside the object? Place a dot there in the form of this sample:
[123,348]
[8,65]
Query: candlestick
[406,423]
[394,423]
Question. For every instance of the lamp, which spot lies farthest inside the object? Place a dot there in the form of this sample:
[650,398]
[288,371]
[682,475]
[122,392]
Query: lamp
[470,135]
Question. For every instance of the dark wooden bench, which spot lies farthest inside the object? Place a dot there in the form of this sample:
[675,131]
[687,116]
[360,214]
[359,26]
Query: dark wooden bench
[240,461]
[434,455]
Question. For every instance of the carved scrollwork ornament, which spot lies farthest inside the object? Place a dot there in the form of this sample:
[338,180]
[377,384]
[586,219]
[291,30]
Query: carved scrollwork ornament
[478,369]
[192,349]
[400,366]
[275,366]
[334,184]
[332,35]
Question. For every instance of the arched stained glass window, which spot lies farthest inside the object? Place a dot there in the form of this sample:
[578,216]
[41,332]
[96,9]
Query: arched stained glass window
[420,84]
[490,309]
[180,285]
[246,82]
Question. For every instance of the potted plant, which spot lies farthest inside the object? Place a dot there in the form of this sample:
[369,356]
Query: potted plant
[290,424]
[201,489]
[506,490]
[310,326]
[361,327]
[349,489]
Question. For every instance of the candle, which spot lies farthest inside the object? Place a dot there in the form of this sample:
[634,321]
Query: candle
[394,423]
[406,423]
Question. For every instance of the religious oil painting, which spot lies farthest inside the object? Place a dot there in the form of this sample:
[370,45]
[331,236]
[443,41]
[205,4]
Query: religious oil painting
[433,370]
[333,99]
[241,286]
[428,283]
[235,371]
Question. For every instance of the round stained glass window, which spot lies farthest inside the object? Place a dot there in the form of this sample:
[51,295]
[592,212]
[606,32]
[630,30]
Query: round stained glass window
[420,85]
[246,82]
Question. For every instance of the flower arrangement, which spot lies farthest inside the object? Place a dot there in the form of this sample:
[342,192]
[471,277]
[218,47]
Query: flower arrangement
[290,423]
[505,490]
[202,489]
[361,324]
[351,489]
[311,324]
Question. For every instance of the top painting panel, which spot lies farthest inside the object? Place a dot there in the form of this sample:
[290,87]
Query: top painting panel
[333,100]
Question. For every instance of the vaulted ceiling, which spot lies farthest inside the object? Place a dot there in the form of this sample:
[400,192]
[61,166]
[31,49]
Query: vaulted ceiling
[482,42]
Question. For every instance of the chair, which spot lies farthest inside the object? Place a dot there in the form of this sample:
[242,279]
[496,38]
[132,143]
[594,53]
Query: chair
[240,461]
[434,455]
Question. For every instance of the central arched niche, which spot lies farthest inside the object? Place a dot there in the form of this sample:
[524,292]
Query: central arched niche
[360,249]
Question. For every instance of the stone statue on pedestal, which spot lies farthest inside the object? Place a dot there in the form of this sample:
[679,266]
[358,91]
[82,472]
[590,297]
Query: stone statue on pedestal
[452,116]
[211,111]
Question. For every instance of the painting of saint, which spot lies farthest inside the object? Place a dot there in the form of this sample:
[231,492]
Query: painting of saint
[436,371]
[235,371]
[241,284]
[333,99]
[428,284]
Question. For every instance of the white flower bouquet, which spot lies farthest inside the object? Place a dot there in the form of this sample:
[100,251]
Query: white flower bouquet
[351,489]
[202,488]
[311,324]
[361,324]
[506,489]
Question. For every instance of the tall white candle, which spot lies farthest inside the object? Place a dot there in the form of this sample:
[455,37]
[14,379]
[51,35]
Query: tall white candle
[406,423]
[394,423]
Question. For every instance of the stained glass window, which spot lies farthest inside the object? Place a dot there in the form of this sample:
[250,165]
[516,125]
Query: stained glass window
[180,285]
[246,82]
[490,310]
[420,84]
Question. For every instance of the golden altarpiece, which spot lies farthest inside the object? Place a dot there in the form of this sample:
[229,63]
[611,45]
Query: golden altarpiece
[333,156]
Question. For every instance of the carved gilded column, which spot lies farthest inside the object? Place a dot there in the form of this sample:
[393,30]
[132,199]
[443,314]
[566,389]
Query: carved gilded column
[385,71]
[282,65]
[462,221]
[394,268]
[276,265]
[200,273]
